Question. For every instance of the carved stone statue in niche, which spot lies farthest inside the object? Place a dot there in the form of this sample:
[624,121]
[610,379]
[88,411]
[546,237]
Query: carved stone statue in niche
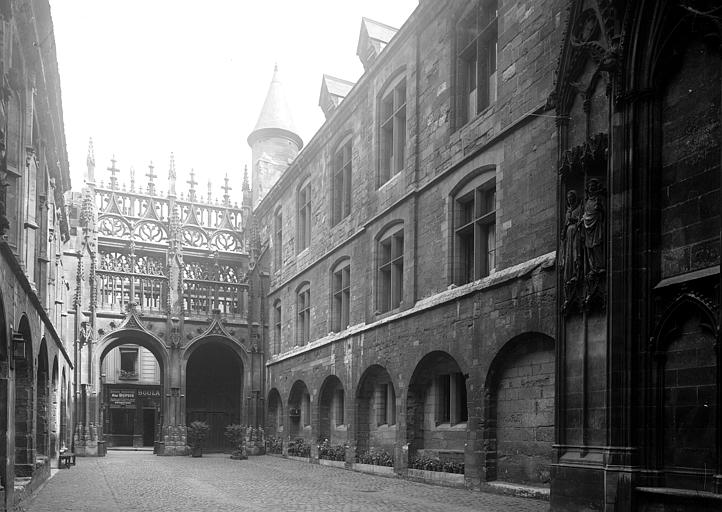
[592,231]
[571,261]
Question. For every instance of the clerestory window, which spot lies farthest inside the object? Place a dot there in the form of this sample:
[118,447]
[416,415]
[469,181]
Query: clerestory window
[476,59]
[392,131]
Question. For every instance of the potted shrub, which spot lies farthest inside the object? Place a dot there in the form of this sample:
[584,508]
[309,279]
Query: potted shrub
[197,432]
[236,434]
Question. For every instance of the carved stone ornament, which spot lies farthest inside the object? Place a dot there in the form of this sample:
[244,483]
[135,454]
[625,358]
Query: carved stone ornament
[582,251]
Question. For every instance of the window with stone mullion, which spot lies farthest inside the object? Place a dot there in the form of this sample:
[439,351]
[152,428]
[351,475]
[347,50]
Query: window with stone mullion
[475,232]
[339,413]
[278,240]
[342,183]
[304,217]
[391,270]
[303,320]
[393,132]
[477,49]
[277,326]
[341,296]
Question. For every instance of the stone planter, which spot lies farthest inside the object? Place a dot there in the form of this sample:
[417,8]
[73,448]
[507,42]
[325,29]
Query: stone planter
[436,477]
[373,469]
[196,451]
[256,450]
[299,459]
[333,463]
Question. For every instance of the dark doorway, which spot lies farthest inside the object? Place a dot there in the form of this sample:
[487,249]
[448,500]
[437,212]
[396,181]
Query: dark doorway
[148,427]
[213,390]
[122,422]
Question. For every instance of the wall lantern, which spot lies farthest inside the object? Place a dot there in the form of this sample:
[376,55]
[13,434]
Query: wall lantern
[19,345]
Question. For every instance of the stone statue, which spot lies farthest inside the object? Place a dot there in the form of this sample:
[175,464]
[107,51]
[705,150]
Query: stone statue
[592,223]
[570,260]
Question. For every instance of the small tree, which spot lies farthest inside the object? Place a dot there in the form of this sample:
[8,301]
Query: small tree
[197,432]
[236,434]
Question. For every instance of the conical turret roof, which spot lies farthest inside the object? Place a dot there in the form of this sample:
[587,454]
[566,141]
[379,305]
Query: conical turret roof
[275,115]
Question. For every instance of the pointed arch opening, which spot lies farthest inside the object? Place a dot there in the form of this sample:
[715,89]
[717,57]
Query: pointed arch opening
[519,413]
[332,411]
[375,411]
[299,412]
[24,404]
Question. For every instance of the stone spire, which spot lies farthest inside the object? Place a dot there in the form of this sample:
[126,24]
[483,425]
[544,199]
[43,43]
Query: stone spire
[275,118]
[171,176]
[90,178]
[226,188]
[274,141]
[113,170]
[246,187]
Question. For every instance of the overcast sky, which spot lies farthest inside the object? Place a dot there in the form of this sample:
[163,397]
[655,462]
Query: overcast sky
[145,78]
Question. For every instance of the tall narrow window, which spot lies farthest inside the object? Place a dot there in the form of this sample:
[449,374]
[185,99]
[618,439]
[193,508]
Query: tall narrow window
[390,270]
[477,49]
[277,326]
[385,404]
[451,399]
[341,194]
[278,239]
[303,318]
[475,232]
[304,216]
[306,413]
[341,295]
[392,132]
[339,413]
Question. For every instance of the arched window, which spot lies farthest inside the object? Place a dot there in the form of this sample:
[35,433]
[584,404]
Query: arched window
[340,289]
[277,326]
[392,130]
[303,314]
[303,202]
[390,271]
[474,229]
[341,191]
[476,59]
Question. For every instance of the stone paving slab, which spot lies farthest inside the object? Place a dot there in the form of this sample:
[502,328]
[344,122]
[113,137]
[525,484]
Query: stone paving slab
[138,481]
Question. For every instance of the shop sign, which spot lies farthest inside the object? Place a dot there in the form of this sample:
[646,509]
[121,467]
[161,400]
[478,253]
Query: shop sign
[149,396]
[122,399]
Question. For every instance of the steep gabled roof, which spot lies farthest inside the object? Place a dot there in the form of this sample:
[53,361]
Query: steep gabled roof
[373,39]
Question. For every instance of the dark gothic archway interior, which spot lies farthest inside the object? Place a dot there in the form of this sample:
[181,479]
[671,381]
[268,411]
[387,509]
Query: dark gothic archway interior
[214,392]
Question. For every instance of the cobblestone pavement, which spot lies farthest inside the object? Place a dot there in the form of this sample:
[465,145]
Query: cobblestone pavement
[140,481]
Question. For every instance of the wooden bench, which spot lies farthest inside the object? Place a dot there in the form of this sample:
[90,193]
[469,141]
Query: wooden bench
[66,460]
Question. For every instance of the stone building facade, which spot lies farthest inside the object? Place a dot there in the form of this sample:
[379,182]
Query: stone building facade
[502,248]
[410,250]
[167,273]
[36,366]
[638,336]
